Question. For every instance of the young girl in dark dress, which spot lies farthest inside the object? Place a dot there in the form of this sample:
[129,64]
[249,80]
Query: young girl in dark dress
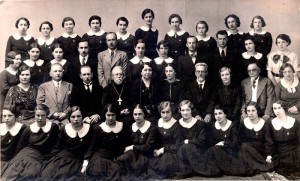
[69,150]
[148,33]
[35,144]
[125,39]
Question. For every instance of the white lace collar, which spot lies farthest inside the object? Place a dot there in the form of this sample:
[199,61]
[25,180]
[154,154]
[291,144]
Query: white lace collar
[143,129]
[35,128]
[160,60]
[145,28]
[189,124]
[179,33]
[31,63]
[99,33]
[277,124]
[239,32]
[255,127]
[117,129]
[17,36]
[73,133]
[66,35]
[290,88]
[166,125]
[62,62]
[253,33]
[204,39]
[13,130]
[42,41]
[257,56]
[136,60]
[227,125]
[13,72]
[123,37]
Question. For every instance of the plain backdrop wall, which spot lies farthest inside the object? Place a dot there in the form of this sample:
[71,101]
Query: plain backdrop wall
[281,16]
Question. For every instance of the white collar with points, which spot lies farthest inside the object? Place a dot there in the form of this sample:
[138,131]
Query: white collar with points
[143,129]
[179,33]
[99,33]
[136,60]
[117,129]
[290,88]
[189,124]
[62,62]
[160,60]
[73,133]
[239,32]
[13,130]
[257,56]
[42,41]
[255,127]
[66,35]
[123,37]
[166,125]
[31,63]
[17,36]
[227,125]
[204,39]
[145,28]
[277,124]
[253,33]
[35,128]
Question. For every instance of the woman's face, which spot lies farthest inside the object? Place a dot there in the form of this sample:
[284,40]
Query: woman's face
[231,23]
[166,114]
[148,18]
[25,76]
[138,115]
[146,72]
[40,117]
[252,112]
[22,27]
[170,73]
[58,54]
[186,112]
[34,54]
[282,44]
[76,118]
[45,29]
[257,24]
[140,49]
[278,110]
[110,117]
[201,29]
[69,26]
[163,51]
[288,74]
[8,117]
[17,61]
[122,25]
[250,46]
[220,115]
[175,24]
[225,77]
[95,25]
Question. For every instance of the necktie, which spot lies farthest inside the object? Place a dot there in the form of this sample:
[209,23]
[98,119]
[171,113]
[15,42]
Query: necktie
[223,54]
[88,88]
[112,54]
[83,61]
[200,86]
[254,83]
[56,91]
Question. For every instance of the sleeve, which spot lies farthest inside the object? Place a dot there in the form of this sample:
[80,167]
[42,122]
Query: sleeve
[9,99]
[269,145]
[150,143]
[295,62]
[138,34]
[270,98]
[243,96]
[125,62]
[8,45]
[277,92]
[211,103]
[24,140]
[199,139]
[269,44]
[233,141]
[4,83]
[178,136]
[68,109]
[101,77]
[40,98]
[92,145]
[237,105]
[59,143]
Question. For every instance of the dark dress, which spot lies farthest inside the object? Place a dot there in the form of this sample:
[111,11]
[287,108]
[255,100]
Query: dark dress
[106,145]
[259,58]
[236,42]
[263,41]
[170,138]
[67,74]
[9,141]
[68,153]
[160,65]
[285,146]
[135,162]
[37,69]
[35,145]
[70,44]
[206,47]
[134,68]
[253,140]
[46,48]
[177,44]
[96,42]
[150,36]
[126,43]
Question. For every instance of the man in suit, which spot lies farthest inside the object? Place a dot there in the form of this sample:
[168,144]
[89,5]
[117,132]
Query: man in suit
[56,95]
[110,58]
[257,89]
[87,95]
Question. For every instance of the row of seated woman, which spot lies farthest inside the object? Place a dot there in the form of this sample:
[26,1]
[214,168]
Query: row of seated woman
[170,148]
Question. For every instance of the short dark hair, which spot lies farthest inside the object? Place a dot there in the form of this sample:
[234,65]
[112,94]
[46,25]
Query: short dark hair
[220,107]
[146,11]
[42,107]
[164,105]
[122,19]
[110,108]
[249,37]
[11,56]
[237,19]
[94,17]
[34,45]
[190,105]
[285,38]
[22,18]
[139,106]
[175,16]
[204,23]
[23,68]
[263,23]
[164,43]
[46,23]
[57,45]
[67,19]
[139,41]
[221,32]
[284,66]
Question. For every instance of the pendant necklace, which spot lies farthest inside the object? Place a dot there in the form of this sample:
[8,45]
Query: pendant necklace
[119,94]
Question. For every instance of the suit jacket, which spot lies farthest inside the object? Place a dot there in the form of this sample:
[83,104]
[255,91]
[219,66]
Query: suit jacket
[46,95]
[89,102]
[106,64]
[92,62]
[265,95]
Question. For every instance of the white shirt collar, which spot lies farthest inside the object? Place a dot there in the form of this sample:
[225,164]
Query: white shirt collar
[204,39]
[17,36]
[99,33]
[145,28]
[62,62]
[257,56]
[227,125]
[123,37]
[11,71]
[255,127]
[136,60]
[277,124]
[73,133]
[42,41]
[159,60]
[55,82]
[189,124]
[220,49]
[239,32]
[203,83]
[66,35]
[31,63]
[179,33]
[35,128]
[143,129]
[13,130]
[251,32]
[117,129]
[86,58]
[290,88]
[166,125]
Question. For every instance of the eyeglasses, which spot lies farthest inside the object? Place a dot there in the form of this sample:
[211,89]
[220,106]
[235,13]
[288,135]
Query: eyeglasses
[288,72]
[200,71]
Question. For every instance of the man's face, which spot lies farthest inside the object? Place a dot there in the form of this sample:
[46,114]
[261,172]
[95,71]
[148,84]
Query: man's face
[200,73]
[117,76]
[111,41]
[56,72]
[83,48]
[191,43]
[253,71]
[222,41]
[86,74]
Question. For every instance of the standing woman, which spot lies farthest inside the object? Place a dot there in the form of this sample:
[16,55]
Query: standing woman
[35,144]
[69,39]
[8,77]
[46,41]
[125,40]
[23,96]
[20,41]
[148,33]
[95,37]
[262,39]
[176,37]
